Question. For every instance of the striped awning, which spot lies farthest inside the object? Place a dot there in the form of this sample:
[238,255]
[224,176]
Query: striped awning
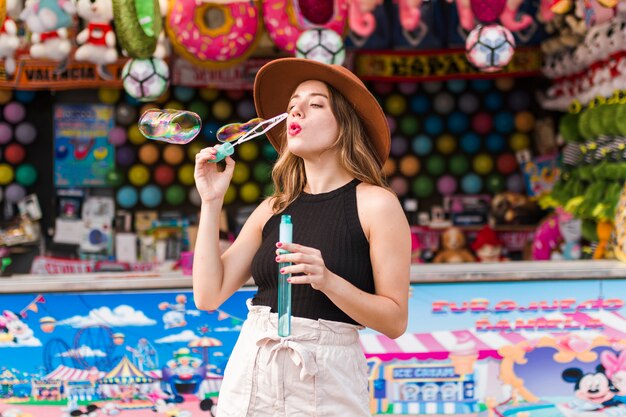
[65,373]
[125,373]
[437,345]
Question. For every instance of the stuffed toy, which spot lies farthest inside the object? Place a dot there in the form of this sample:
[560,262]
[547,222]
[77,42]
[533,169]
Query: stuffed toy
[487,246]
[360,18]
[514,208]
[48,21]
[97,39]
[453,249]
[547,238]
[510,16]
[571,234]
[163,48]
[9,41]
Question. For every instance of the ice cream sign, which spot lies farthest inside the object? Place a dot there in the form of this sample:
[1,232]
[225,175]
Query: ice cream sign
[412,372]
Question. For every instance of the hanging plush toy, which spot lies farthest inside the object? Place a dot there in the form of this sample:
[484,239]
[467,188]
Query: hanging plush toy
[360,18]
[507,11]
[48,21]
[9,41]
[163,48]
[97,39]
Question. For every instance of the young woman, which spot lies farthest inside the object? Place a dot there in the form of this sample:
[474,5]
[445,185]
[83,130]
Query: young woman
[350,257]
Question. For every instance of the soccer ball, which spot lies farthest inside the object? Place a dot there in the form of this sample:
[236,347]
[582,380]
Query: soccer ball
[323,45]
[145,79]
[490,47]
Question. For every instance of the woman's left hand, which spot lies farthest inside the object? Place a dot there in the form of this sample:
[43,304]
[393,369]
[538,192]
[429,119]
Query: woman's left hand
[305,260]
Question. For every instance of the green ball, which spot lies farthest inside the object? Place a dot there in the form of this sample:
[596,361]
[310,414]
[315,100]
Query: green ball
[262,172]
[568,126]
[200,108]
[26,175]
[175,194]
[115,177]
[459,164]
[409,125]
[435,165]
[495,183]
[423,186]
[269,153]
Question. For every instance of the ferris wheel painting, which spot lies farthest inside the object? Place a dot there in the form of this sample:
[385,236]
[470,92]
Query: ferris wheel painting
[93,347]
[76,333]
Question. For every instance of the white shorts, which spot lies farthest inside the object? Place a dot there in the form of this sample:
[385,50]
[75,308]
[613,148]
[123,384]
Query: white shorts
[319,370]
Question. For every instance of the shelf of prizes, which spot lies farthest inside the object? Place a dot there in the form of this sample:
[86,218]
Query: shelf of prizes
[483,339]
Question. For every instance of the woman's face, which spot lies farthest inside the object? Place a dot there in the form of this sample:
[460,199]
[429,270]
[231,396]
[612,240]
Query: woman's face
[311,124]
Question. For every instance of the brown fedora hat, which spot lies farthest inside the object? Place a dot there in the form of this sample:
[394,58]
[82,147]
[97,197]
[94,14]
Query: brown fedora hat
[277,80]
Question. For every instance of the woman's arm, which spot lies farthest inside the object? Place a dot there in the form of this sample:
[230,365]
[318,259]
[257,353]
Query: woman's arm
[387,229]
[216,278]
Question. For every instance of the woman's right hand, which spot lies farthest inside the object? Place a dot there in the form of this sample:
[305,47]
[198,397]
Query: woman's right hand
[210,182]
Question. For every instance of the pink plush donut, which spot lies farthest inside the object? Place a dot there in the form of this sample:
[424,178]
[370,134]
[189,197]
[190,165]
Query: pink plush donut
[213,35]
[285,23]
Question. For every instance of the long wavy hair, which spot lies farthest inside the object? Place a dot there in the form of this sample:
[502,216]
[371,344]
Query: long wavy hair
[357,156]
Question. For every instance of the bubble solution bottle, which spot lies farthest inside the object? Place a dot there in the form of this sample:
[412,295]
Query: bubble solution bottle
[284,287]
[169,125]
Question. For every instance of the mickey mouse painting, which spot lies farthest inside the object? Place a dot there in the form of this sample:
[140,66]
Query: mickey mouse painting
[594,391]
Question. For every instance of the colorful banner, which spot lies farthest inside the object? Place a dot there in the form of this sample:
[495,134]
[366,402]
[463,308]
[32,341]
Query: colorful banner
[82,153]
[515,349]
[36,74]
[239,77]
[438,65]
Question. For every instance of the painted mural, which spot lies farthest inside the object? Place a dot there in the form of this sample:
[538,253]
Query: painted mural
[520,349]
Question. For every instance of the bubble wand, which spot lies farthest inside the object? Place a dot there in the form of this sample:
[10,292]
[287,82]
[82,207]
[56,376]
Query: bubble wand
[237,133]
[285,235]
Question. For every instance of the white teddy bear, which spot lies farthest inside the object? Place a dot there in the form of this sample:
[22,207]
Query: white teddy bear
[9,41]
[48,20]
[97,40]
[163,48]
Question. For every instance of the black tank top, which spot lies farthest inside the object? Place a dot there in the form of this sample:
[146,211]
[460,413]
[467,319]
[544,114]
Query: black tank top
[328,222]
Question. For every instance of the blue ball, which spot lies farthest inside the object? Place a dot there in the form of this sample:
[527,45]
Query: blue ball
[151,196]
[456,86]
[458,122]
[493,101]
[433,125]
[209,131]
[25,96]
[495,143]
[422,145]
[132,100]
[470,142]
[481,85]
[504,122]
[126,196]
[184,94]
[471,184]
[420,104]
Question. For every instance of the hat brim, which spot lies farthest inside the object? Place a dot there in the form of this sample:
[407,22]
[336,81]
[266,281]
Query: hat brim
[277,80]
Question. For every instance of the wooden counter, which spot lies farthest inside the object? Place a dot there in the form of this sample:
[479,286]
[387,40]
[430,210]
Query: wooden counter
[427,273]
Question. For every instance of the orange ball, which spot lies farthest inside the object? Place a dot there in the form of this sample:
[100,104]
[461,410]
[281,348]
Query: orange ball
[173,154]
[149,153]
